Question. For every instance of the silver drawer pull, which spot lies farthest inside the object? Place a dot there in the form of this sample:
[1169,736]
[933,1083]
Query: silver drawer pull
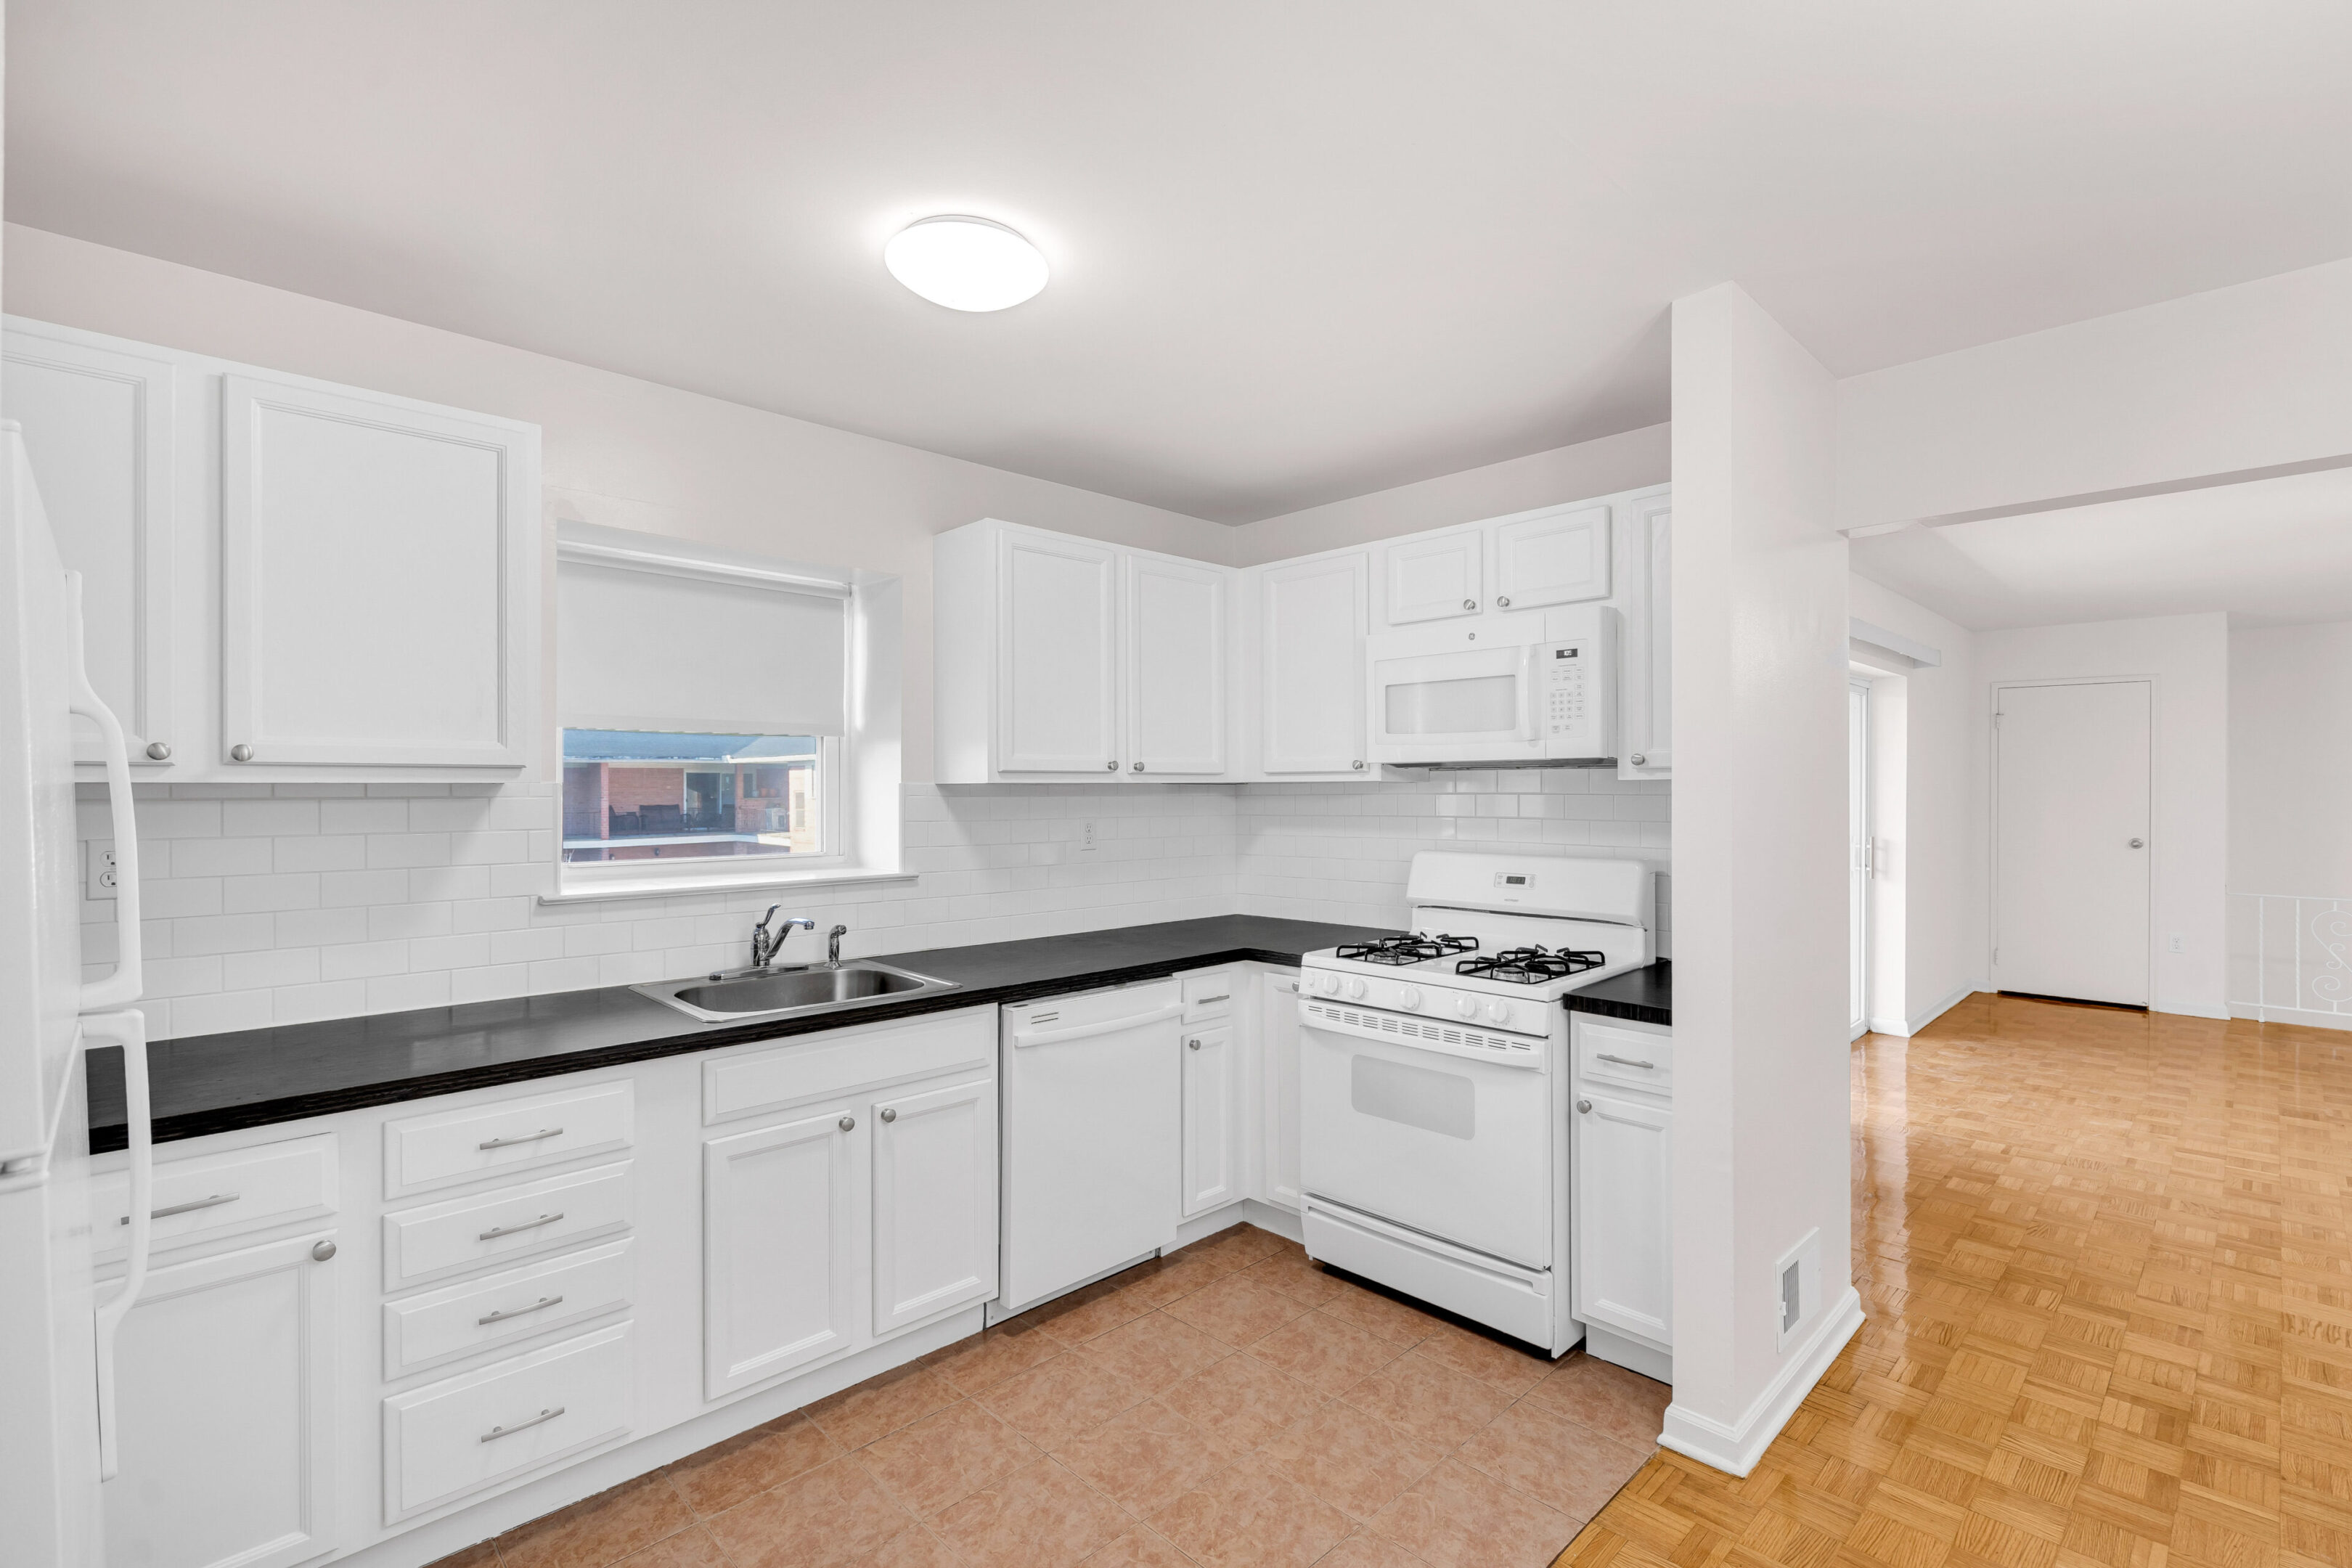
[1204,1001]
[1622,1061]
[497,1231]
[511,1431]
[526,1138]
[189,1208]
[518,1311]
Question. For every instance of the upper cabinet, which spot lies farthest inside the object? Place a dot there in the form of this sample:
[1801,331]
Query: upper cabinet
[374,558]
[284,580]
[1305,666]
[99,425]
[1527,561]
[1060,657]
[1646,713]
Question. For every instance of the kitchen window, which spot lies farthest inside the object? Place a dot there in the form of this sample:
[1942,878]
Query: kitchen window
[708,731]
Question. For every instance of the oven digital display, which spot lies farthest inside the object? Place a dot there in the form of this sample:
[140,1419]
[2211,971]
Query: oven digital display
[1513,879]
[1563,652]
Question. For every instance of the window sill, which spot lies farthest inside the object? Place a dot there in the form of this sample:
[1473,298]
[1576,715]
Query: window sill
[674,887]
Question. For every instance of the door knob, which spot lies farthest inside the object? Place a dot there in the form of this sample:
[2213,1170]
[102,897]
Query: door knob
[1191,1045]
[2138,843]
[848,1123]
[240,752]
[1358,764]
[1501,603]
[1584,1107]
[1638,759]
[1112,764]
[889,1113]
[1137,766]
[1469,604]
[323,1251]
[159,751]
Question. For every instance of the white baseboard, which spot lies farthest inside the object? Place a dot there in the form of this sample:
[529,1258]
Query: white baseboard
[1735,1448]
[1281,1221]
[2189,1009]
[1903,1029]
[2302,1017]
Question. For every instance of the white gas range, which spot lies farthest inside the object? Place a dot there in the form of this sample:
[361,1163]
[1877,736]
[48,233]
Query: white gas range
[1433,1081]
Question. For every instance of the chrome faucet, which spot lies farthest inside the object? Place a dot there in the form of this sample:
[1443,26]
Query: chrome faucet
[765,947]
[833,945]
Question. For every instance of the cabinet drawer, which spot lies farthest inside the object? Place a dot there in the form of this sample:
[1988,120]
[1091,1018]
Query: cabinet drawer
[1209,996]
[212,1196]
[823,1066]
[440,1238]
[1612,1053]
[513,1305]
[421,1153]
[474,1430]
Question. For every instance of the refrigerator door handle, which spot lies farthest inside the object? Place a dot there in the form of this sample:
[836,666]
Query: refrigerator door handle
[127,1028]
[123,986]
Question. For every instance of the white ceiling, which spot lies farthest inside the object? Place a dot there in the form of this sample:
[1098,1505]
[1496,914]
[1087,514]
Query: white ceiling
[1301,251]
[2270,553]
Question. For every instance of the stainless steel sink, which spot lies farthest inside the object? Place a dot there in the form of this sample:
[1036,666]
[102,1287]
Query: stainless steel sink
[779,992]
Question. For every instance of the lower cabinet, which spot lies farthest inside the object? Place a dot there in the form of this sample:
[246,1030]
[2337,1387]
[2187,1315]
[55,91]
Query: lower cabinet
[226,1412]
[782,1265]
[472,1431]
[1212,1178]
[1278,1087]
[1623,1186]
[934,1202]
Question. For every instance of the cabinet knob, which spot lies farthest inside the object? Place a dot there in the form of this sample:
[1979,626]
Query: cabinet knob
[1358,764]
[1137,766]
[240,752]
[1112,764]
[848,1123]
[1501,603]
[1469,604]
[1584,1107]
[889,1113]
[323,1251]
[159,751]
[1638,759]
[1191,1045]
[2138,843]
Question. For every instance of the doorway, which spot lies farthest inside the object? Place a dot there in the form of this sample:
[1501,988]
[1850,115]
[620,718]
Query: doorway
[2072,887]
[1858,841]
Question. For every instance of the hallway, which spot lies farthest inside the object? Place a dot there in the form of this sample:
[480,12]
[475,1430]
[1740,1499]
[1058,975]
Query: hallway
[2105,1264]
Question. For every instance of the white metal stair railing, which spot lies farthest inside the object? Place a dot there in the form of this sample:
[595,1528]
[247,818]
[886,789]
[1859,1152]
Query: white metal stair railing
[2291,958]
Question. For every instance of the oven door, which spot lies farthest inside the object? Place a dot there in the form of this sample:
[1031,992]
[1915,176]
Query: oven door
[1446,1144]
[1461,704]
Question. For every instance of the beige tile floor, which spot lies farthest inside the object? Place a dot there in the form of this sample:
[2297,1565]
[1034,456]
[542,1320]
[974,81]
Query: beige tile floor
[1229,1404]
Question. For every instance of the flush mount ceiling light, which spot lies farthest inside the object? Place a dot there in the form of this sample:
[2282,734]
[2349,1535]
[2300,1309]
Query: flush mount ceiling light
[965,263]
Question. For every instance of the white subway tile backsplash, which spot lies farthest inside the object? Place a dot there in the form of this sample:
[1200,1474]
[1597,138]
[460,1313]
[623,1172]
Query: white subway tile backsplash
[296,890]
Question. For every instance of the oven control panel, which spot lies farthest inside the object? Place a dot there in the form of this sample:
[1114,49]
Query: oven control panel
[1433,1017]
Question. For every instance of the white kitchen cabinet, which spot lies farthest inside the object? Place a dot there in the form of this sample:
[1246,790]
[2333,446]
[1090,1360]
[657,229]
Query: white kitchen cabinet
[224,1399]
[1622,1137]
[1176,628]
[98,423]
[934,1202]
[783,1255]
[380,566]
[1434,576]
[1556,555]
[1278,1091]
[1211,1144]
[1646,713]
[1308,626]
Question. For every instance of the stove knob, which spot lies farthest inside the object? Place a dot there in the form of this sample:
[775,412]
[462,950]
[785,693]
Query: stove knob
[1355,989]
[1467,1005]
[1330,985]
[1499,1010]
[1408,998]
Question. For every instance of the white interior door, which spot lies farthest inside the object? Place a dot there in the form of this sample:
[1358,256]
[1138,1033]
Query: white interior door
[1857,875]
[2071,840]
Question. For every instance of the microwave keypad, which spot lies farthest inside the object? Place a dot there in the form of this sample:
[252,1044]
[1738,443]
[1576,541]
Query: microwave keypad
[1564,696]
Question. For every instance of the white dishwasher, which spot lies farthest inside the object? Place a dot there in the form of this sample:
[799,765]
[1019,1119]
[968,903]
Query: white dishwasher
[1092,1086]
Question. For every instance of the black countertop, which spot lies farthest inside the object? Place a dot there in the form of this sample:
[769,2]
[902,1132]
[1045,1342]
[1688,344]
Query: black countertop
[1645,995]
[255,1078]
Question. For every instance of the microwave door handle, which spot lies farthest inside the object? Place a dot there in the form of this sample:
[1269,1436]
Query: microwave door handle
[1531,688]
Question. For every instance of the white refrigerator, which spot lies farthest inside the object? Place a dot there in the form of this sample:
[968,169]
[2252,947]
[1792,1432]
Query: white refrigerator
[56,1321]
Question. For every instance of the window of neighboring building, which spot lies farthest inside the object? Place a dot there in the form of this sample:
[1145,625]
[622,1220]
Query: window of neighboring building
[647,795]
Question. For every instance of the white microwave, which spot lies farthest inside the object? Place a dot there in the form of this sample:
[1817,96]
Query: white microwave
[1487,694]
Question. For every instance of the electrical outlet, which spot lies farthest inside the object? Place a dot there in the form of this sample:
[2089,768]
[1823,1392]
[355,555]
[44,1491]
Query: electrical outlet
[2177,944]
[1087,835]
[100,878]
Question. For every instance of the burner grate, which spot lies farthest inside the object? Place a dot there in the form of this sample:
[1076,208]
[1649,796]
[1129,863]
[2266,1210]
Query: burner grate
[1402,949]
[1530,966]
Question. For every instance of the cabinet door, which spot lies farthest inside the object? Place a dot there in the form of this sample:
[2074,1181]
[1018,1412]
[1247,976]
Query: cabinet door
[781,1253]
[934,1202]
[1624,1256]
[1311,621]
[380,569]
[1279,1030]
[1211,1165]
[1175,623]
[98,428]
[225,1401]
[1648,711]
[1434,578]
[1557,556]
[1057,656]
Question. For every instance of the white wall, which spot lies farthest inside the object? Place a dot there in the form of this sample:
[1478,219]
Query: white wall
[1761,1119]
[617,451]
[2217,383]
[2291,760]
[1600,467]
[1931,817]
[2189,656]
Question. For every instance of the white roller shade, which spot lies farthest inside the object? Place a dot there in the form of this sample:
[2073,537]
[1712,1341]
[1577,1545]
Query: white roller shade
[647,644]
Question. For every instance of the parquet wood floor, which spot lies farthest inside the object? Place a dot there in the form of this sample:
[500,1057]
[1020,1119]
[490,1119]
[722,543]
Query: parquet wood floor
[2106,1263]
